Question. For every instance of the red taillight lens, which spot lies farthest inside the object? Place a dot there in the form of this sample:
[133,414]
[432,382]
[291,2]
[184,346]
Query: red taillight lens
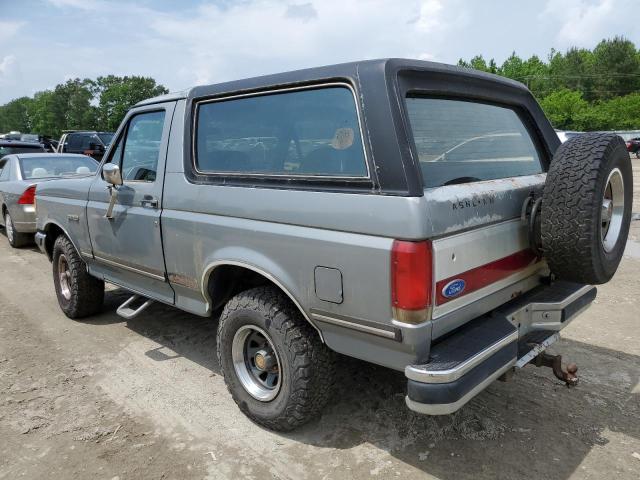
[411,280]
[28,197]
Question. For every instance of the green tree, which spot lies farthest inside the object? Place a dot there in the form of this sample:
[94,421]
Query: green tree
[74,99]
[532,72]
[479,63]
[617,66]
[118,94]
[47,114]
[15,115]
[565,108]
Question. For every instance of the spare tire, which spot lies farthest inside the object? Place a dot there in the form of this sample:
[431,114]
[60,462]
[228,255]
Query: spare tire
[586,208]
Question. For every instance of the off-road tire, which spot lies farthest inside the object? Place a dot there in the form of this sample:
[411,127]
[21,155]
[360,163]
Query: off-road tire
[17,239]
[87,292]
[307,365]
[572,208]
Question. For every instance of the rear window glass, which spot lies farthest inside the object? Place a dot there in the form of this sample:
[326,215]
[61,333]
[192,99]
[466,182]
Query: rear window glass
[54,166]
[459,141]
[23,149]
[306,132]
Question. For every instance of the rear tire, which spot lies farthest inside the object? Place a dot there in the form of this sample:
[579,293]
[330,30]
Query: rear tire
[292,380]
[15,238]
[586,208]
[79,294]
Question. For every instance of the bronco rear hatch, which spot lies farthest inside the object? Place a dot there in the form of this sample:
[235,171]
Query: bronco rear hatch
[479,161]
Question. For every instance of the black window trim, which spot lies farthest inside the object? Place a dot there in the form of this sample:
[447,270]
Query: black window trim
[275,176]
[519,110]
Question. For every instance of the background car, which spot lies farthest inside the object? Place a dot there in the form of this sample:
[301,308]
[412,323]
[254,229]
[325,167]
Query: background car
[8,147]
[19,175]
[87,142]
[633,146]
[565,135]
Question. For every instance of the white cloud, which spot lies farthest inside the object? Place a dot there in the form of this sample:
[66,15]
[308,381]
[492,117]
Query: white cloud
[8,29]
[430,17]
[191,42]
[6,64]
[586,22]
[302,11]
[78,4]
[262,36]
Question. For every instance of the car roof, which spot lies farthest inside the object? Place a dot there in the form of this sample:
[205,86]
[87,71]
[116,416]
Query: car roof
[49,155]
[19,143]
[353,70]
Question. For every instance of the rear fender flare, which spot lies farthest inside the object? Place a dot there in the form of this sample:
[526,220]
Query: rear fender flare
[259,264]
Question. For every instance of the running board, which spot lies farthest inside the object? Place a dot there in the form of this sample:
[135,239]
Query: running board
[126,312]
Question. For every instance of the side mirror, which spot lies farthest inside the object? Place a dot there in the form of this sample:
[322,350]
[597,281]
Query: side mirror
[111,174]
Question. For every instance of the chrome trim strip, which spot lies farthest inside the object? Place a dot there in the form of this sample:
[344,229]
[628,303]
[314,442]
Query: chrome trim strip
[461,252]
[419,374]
[535,351]
[272,91]
[127,267]
[355,326]
[447,408]
[212,266]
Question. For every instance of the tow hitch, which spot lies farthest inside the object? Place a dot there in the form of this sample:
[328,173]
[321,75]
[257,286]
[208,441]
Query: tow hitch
[554,362]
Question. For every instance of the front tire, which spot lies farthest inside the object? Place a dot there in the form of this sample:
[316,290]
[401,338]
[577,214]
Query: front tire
[15,238]
[274,365]
[79,294]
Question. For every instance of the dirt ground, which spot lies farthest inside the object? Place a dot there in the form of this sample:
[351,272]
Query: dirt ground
[115,399]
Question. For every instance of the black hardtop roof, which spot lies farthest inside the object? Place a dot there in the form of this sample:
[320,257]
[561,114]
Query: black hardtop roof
[361,70]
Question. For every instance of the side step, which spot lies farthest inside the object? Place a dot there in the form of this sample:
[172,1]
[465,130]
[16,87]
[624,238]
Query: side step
[462,365]
[126,312]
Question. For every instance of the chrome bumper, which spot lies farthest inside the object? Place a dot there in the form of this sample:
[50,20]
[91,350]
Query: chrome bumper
[464,364]
[40,239]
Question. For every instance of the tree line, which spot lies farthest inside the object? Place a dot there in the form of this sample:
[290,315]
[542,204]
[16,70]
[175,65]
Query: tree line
[580,89]
[78,104]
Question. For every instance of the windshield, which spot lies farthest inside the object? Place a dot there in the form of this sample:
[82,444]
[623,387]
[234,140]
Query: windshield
[106,138]
[459,141]
[11,150]
[56,166]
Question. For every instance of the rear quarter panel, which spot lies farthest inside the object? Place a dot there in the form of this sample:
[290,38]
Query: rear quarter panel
[64,203]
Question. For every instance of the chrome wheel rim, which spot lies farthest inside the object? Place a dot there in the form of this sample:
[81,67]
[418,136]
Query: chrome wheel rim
[8,225]
[256,362]
[612,210]
[64,277]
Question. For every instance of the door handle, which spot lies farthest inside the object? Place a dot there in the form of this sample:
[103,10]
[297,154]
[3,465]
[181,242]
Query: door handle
[149,202]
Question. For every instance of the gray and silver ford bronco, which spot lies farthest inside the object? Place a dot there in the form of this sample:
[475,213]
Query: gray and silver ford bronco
[415,215]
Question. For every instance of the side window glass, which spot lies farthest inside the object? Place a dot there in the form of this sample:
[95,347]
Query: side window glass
[74,143]
[142,147]
[307,133]
[116,153]
[86,141]
[4,171]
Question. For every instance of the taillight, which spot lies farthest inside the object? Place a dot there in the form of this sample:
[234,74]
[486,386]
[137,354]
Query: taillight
[411,280]
[28,196]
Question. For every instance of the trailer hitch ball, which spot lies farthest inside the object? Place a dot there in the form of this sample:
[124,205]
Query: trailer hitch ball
[568,376]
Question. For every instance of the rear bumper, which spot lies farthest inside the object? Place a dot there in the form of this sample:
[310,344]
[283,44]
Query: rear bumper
[24,218]
[469,360]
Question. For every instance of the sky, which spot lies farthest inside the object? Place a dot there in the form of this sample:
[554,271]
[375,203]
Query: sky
[183,43]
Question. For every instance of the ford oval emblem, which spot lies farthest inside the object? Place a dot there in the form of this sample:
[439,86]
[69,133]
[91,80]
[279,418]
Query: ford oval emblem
[453,288]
